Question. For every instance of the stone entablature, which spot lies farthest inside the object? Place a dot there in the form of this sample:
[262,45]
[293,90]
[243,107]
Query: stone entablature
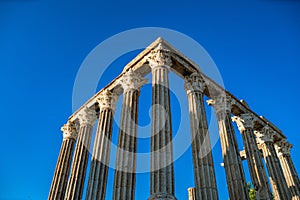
[180,64]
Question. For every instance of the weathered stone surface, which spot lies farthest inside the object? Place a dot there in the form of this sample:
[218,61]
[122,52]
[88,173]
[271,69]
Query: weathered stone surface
[191,193]
[75,186]
[292,179]
[204,173]
[279,186]
[235,176]
[160,57]
[162,169]
[124,183]
[256,167]
[60,179]
[96,189]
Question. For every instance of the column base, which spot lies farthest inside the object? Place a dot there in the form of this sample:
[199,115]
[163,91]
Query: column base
[263,194]
[162,196]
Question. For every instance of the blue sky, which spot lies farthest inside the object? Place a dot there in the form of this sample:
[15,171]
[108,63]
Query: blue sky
[255,45]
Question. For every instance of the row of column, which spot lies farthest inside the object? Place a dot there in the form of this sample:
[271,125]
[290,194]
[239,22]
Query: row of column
[255,164]
[236,182]
[284,179]
[284,185]
[124,180]
[283,151]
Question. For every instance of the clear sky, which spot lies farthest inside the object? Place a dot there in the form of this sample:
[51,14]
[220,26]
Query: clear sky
[255,45]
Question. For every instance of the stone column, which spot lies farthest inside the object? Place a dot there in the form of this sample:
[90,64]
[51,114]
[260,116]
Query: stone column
[192,195]
[162,169]
[283,151]
[87,118]
[265,140]
[60,179]
[235,177]
[204,172]
[124,182]
[101,152]
[245,123]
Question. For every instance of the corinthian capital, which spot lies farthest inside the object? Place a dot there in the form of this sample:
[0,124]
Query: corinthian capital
[283,147]
[194,83]
[69,131]
[221,103]
[160,57]
[87,116]
[265,135]
[132,81]
[244,121]
[107,99]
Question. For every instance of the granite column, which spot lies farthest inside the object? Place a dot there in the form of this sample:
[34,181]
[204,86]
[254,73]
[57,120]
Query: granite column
[265,140]
[245,123]
[60,179]
[101,152]
[162,168]
[235,175]
[204,173]
[283,149]
[87,118]
[124,180]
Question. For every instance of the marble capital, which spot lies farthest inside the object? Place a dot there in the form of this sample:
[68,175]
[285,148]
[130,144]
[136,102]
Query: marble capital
[107,99]
[283,147]
[194,83]
[69,131]
[221,103]
[265,135]
[160,58]
[131,81]
[244,121]
[87,116]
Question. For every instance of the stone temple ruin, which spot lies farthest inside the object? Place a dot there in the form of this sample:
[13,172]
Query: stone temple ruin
[263,141]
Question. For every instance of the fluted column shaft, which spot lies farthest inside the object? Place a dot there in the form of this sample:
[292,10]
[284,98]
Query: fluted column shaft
[162,169]
[87,118]
[60,179]
[279,186]
[235,176]
[191,193]
[101,152]
[204,173]
[289,170]
[124,179]
[256,167]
